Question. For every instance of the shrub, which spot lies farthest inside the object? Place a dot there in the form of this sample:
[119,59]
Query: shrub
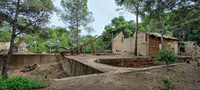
[20,82]
[166,55]
[167,84]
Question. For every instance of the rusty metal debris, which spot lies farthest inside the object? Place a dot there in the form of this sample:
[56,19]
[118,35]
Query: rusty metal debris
[28,68]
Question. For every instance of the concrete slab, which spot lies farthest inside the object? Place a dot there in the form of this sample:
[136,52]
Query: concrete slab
[183,76]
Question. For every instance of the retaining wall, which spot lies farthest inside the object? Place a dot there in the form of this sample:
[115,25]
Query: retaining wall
[75,68]
[19,60]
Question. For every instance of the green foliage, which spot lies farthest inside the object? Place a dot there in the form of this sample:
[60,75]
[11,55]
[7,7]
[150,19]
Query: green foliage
[184,23]
[167,84]
[20,82]
[194,38]
[166,55]
[33,14]
[117,25]
[178,23]
[182,47]
[77,15]
[5,35]
[42,47]
[97,43]
[56,37]
[64,41]
[132,6]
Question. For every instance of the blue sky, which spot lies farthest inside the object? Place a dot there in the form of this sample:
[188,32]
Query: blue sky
[103,12]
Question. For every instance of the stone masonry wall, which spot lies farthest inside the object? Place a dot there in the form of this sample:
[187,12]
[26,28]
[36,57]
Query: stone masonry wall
[4,45]
[117,43]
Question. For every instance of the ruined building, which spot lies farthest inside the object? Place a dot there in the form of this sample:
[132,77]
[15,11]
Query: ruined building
[20,47]
[149,44]
[4,46]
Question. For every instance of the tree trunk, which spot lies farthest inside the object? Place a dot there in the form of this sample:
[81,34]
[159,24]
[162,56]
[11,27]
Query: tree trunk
[163,32]
[6,59]
[136,33]
[102,44]
[77,38]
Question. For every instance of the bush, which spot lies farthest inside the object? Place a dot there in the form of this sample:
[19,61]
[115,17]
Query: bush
[20,82]
[166,55]
[167,84]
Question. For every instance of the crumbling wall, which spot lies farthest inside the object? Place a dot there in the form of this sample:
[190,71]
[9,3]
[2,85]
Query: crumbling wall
[154,45]
[191,49]
[117,42]
[141,44]
[21,46]
[147,44]
[4,45]
[173,45]
[127,45]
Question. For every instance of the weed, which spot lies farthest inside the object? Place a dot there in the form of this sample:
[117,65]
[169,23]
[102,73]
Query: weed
[167,84]
[166,55]
[20,82]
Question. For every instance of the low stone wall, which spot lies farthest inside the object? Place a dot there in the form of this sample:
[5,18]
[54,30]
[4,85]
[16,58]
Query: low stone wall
[19,60]
[75,68]
[127,62]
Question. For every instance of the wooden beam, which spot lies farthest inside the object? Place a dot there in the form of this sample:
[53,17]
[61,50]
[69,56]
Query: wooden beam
[87,42]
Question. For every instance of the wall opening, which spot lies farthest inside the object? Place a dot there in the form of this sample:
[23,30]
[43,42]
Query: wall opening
[182,48]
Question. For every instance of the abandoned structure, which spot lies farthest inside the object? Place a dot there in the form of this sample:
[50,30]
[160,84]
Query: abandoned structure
[148,44]
[20,47]
[4,45]
[189,49]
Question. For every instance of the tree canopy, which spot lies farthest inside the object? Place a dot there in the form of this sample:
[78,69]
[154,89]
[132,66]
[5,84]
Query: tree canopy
[117,25]
[77,15]
[23,16]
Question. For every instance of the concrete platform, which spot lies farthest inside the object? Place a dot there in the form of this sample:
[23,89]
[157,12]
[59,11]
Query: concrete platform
[89,60]
[183,76]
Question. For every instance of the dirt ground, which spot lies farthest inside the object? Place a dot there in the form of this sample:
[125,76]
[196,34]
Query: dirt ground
[42,72]
[182,76]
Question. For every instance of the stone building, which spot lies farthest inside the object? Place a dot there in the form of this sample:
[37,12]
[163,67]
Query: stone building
[148,44]
[20,47]
[189,49]
[4,46]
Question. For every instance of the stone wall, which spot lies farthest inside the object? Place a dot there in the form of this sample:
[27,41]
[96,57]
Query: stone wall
[127,45]
[21,46]
[4,45]
[75,68]
[172,45]
[117,42]
[142,48]
[154,45]
[190,49]
[19,60]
